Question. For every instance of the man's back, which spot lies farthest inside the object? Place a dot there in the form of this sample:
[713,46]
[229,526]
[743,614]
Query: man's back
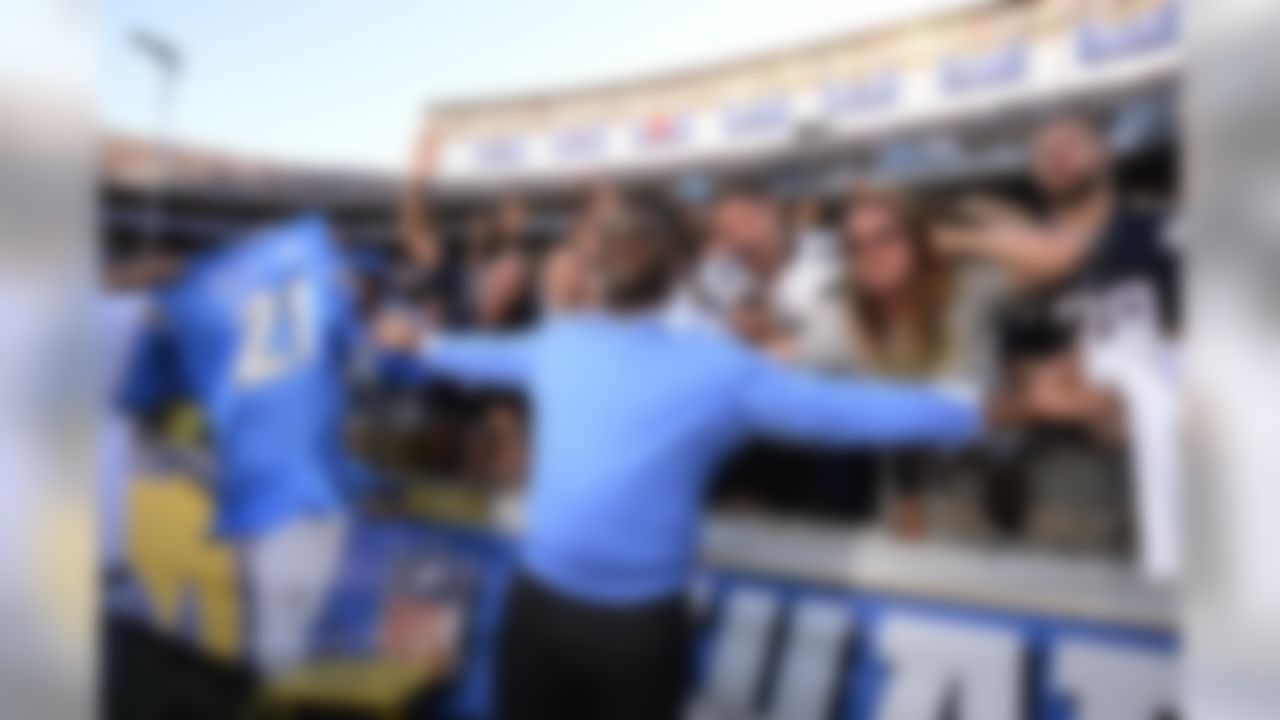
[631,416]
[631,419]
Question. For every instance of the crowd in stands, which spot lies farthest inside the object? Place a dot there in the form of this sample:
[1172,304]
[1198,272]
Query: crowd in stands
[974,291]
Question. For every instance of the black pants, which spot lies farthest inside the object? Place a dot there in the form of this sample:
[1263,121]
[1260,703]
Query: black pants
[564,660]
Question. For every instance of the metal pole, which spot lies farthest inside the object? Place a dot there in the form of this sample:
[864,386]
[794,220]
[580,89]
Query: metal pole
[168,62]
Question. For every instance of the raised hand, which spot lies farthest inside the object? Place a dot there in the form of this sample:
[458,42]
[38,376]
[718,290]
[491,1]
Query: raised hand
[417,232]
[426,154]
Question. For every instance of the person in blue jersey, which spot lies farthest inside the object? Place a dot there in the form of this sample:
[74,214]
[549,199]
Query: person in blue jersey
[631,414]
[257,333]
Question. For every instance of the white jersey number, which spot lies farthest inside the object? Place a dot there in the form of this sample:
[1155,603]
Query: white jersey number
[277,333]
[1100,315]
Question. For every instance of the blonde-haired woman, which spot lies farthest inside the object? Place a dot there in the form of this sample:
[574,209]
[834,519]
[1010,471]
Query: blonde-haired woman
[908,311]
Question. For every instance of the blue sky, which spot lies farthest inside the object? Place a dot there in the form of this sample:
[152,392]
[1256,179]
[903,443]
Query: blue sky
[342,82]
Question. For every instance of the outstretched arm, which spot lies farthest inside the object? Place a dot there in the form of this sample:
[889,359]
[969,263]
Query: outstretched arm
[1030,253]
[800,407]
[496,361]
[480,360]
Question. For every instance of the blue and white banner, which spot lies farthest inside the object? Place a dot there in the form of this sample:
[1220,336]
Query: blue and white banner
[778,649]
[766,647]
[984,69]
[499,152]
[770,113]
[580,142]
[1122,28]
[875,91]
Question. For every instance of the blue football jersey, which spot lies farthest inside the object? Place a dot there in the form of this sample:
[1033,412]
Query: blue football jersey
[258,335]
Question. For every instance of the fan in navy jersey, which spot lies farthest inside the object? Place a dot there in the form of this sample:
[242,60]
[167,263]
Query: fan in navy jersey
[258,333]
[1093,328]
[1094,262]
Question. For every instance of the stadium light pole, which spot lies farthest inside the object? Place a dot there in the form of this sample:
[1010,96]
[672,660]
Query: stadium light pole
[167,59]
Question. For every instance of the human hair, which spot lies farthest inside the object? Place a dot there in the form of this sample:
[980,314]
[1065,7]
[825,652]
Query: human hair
[650,217]
[1090,124]
[928,289]
[748,189]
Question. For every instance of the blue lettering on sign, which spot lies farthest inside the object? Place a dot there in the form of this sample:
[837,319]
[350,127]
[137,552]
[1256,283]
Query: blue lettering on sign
[779,651]
[766,114]
[499,152]
[875,92]
[580,142]
[1099,40]
[1006,64]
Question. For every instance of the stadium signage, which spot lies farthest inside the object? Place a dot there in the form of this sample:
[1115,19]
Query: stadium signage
[1122,28]
[765,114]
[984,70]
[785,651]
[875,91]
[768,647]
[1010,54]
[580,142]
[499,152]
[662,130]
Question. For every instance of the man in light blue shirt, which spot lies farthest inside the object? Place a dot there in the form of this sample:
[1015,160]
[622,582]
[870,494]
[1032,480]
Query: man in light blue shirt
[631,415]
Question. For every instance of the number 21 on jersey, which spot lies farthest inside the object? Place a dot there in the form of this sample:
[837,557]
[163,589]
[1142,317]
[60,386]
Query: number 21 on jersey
[277,332]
